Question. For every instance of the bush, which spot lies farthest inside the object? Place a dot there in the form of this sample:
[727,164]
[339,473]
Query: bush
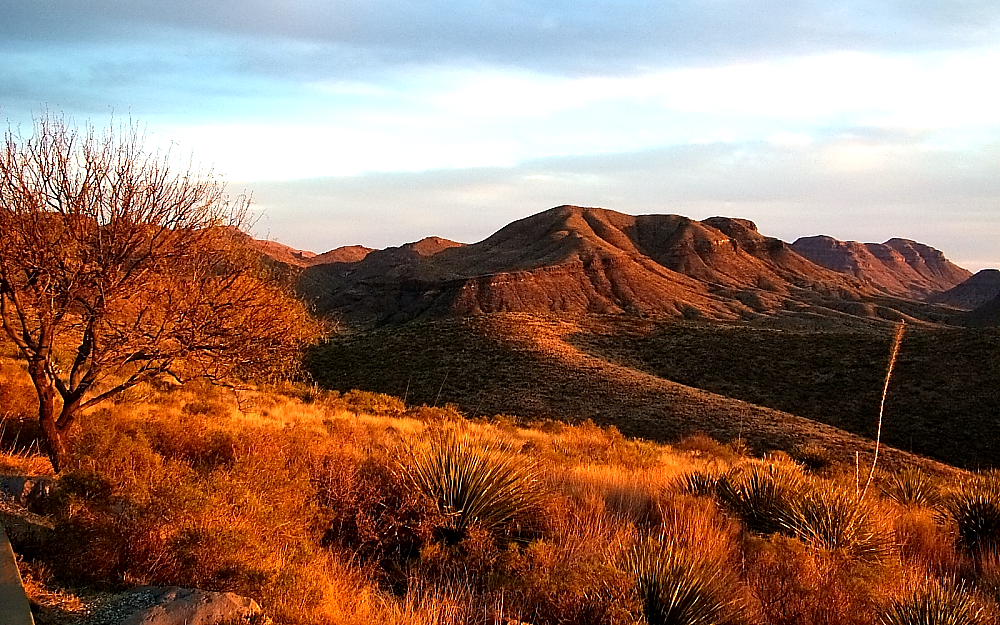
[476,485]
[373,403]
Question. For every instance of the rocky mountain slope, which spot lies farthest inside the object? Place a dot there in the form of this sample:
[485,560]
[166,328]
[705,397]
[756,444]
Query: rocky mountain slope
[590,260]
[899,266]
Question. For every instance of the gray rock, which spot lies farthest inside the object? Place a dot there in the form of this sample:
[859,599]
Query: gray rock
[183,606]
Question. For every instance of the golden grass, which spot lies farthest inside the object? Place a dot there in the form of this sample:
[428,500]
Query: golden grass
[301,499]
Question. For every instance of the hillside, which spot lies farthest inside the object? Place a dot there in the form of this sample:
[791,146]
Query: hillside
[987,315]
[572,260]
[664,380]
[972,293]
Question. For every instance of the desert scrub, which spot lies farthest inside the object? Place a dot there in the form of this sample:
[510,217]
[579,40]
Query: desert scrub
[675,586]
[937,604]
[761,493]
[480,484]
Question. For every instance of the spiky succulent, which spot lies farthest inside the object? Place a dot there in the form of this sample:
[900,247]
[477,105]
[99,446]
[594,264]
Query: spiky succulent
[835,519]
[473,484]
[975,509]
[761,494]
[698,483]
[938,604]
[676,587]
[911,487]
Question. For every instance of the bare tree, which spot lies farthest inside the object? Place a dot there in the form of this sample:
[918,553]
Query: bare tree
[115,268]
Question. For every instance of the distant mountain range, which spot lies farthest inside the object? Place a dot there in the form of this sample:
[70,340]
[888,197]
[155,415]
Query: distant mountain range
[572,260]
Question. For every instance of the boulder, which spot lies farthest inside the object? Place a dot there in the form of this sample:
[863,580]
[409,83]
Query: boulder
[186,606]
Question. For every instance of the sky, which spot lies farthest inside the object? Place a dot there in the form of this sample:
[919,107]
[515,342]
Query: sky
[379,122]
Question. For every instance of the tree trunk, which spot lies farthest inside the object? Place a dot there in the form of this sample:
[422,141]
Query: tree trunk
[55,444]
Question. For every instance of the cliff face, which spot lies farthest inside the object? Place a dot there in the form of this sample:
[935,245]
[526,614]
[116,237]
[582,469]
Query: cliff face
[899,266]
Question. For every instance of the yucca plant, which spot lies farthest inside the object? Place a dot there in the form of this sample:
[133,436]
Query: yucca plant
[911,487]
[975,509]
[676,587]
[937,604]
[835,519]
[761,494]
[481,485]
[699,483]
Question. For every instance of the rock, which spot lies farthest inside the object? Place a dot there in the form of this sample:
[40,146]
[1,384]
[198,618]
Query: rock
[184,606]
[24,490]
[15,487]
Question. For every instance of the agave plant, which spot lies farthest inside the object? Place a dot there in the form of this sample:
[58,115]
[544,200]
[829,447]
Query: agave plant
[911,487]
[481,485]
[975,509]
[676,587]
[837,520]
[937,604]
[761,494]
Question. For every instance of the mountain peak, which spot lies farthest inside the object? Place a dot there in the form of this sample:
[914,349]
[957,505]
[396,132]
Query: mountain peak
[898,266]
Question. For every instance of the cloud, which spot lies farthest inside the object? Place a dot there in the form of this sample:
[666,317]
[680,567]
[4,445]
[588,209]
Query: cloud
[558,37]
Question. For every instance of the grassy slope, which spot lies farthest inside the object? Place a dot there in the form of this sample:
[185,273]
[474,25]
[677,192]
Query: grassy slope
[532,367]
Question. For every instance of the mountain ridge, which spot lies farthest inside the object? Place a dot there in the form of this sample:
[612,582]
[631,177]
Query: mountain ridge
[579,260]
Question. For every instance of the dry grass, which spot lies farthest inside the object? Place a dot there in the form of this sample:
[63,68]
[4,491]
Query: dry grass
[304,500]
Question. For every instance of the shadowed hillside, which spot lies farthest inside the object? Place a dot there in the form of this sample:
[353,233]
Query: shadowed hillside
[644,377]
[531,367]
[974,292]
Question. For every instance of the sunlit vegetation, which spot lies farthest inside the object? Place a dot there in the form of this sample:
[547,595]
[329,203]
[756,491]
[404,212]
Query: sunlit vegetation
[355,508]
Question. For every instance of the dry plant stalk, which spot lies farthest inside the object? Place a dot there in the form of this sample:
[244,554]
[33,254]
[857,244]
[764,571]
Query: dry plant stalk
[893,356]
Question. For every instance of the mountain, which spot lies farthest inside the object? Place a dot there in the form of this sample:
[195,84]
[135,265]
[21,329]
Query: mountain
[345,254]
[899,266]
[974,292]
[576,260]
[281,253]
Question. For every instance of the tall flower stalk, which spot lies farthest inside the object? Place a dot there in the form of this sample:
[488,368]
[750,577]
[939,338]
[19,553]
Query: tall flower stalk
[893,356]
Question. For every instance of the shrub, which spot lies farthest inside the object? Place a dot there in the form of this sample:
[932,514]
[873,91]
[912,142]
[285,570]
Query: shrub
[476,485]
[373,403]
[911,487]
[975,510]
[798,585]
[761,494]
[675,587]
[835,519]
[936,604]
